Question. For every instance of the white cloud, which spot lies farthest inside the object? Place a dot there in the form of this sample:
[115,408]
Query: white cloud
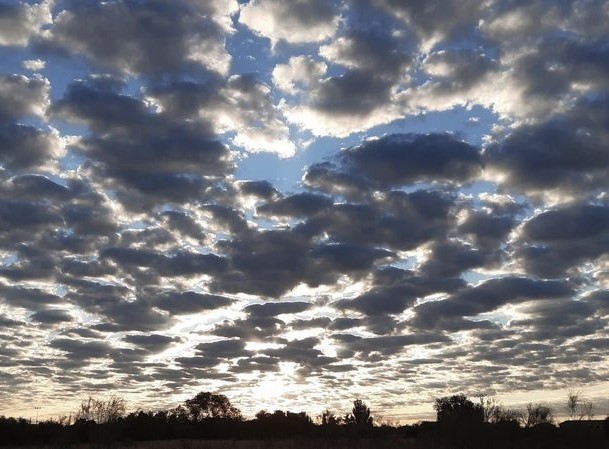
[299,73]
[20,22]
[221,11]
[248,111]
[21,96]
[294,21]
[34,65]
[327,123]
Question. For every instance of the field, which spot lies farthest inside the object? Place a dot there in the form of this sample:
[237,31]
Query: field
[248,444]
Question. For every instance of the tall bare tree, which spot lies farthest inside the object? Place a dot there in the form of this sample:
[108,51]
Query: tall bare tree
[101,411]
[537,414]
[578,407]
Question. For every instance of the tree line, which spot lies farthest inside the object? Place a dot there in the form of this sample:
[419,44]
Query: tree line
[460,422]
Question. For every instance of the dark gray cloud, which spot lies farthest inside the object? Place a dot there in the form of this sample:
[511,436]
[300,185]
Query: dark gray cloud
[329,178]
[404,159]
[182,263]
[268,263]
[184,224]
[347,257]
[485,297]
[77,350]
[273,309]
[256,364]
[398,221]
[600,300]
[436,21]
[28,298]
[299,205]
[8,323]
[187,302]
[451,258]
[51,316]
[261,189]
[386,345]
[35,186]
[559,66]
[163,37]
[76,269]
[364,68]
[488,229]
[25,146]
[341,324]
[375,63]
[374,66]
[559,320]
[394,161]
[22,96]
[272,262]
[18,213]
[251,329]
[151,342]
[302,352]
[241,104]
[321,322]
[154,157]
[560,239]
[232,219]
[566,152]
[187,99]
[458,70]
[222,348]
[573,222]
[394,291]
[110,304]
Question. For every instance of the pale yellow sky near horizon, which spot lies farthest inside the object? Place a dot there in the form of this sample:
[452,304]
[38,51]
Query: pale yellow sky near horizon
[598,394]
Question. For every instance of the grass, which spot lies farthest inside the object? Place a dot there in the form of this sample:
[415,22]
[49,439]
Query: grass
[249,444]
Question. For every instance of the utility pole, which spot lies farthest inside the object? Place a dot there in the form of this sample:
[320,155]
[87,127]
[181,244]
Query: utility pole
[37,408]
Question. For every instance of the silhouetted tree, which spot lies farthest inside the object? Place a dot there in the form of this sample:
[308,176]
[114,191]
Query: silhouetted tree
[178,415]
[578,407]
[101,411]
[458,409]
[328,418]
[537,414]
[360,414]
[209,405]
[495,413]
[506,415]
[282,424]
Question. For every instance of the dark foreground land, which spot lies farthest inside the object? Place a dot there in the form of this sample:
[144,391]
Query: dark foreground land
[402,443]
[247,444]
[210,422]
[426,437]
[230,434]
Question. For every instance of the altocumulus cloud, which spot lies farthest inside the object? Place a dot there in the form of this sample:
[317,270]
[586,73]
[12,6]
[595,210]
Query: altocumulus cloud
[302,197]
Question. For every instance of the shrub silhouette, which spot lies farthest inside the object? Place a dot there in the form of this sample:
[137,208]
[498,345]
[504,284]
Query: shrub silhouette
[207,405]
[360,414]
[538,414]
[101,411]
[457,409]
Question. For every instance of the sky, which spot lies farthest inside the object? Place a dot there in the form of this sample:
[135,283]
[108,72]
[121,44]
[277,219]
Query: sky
[297,203]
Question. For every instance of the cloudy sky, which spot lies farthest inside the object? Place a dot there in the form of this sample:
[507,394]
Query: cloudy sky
[298,203]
